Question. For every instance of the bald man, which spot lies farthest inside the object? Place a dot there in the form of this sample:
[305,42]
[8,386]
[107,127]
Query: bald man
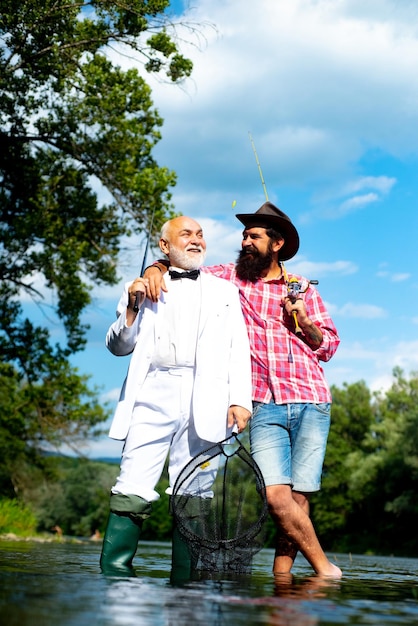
[190,342]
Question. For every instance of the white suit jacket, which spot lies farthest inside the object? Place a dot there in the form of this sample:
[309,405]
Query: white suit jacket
[222,368]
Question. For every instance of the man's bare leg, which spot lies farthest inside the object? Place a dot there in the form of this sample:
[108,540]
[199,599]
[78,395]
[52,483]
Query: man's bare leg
[286,549]
[296,525]
[285,553]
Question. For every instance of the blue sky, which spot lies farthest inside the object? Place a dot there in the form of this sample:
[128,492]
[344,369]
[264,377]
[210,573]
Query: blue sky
[329,91]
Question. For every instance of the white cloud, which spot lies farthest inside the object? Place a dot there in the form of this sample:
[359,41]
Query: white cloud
[354,204]
[308,60]
[406,355]
[112,395]
[394,277]
[383,184]
[397,15]
[358,351]
[317,82]
[372,361]
[361,311]
[301,265]
[338,201]
[400,277]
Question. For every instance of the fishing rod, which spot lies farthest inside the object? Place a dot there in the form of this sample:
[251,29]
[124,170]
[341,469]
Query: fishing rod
[294,286]
[259,166]
[144,260]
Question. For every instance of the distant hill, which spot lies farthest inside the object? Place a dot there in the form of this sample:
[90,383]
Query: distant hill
[73,457]
[105,459]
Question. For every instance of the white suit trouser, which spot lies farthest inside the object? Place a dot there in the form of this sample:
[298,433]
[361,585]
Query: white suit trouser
[162,423]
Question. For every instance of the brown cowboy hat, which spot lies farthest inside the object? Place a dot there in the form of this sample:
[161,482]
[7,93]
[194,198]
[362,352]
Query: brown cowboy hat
[269,216]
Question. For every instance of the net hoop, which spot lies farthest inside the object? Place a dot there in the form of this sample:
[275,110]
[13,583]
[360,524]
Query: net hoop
[210,536]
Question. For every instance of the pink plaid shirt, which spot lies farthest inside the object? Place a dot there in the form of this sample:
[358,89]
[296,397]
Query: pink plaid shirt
[284,368]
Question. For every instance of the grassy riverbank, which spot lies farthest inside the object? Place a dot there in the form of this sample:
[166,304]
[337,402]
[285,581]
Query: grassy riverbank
[18,523]
[45,538]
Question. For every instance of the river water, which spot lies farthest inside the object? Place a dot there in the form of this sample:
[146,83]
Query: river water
[61,584]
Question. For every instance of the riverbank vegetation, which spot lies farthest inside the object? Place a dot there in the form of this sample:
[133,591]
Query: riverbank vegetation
[367,503]
[368,500]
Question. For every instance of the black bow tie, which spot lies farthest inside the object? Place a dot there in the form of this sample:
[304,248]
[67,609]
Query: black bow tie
[193,274]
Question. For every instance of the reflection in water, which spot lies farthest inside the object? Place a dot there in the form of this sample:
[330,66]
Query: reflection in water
[61,583]
[286,585]
[287,605]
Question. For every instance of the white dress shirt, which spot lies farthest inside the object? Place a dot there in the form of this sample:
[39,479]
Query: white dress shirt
[175,345]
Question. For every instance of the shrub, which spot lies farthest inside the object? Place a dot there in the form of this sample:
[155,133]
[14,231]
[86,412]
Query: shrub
[17,518]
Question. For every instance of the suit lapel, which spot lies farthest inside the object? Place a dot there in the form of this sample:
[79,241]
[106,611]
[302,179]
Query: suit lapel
[206,294]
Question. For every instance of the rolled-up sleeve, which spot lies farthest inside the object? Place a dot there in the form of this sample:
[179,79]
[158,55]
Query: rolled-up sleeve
[319,315]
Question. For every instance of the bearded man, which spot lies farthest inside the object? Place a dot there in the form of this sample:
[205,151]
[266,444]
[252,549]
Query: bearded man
[289,336]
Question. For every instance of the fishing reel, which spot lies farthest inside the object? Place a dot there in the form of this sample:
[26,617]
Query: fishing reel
[296,287]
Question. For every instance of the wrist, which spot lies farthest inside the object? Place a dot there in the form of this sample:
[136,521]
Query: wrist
[312,334]
[154,266]
[162,265]
[305,322]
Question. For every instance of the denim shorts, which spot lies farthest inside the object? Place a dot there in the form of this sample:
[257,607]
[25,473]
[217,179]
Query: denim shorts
[288,443]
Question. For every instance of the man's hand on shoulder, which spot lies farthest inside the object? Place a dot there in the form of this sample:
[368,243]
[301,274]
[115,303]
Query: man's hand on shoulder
[155,280]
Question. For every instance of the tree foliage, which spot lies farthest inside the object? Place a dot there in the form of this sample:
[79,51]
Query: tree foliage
[75,498]
[352,416]
[368,497]
[72,121]
[77,175]
[368,501]
[59,407]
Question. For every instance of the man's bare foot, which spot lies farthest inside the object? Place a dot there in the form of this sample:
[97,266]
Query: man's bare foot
[331,571]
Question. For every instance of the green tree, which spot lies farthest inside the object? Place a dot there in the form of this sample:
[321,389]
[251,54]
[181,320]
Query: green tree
[351,419]
[76,176]
[368,497]
[383,478]
[70,120]
[75,498]
[55,408]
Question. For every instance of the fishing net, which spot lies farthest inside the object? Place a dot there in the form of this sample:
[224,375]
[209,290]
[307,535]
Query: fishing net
[219,505]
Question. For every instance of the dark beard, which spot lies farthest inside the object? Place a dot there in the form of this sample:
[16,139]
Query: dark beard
[251,266]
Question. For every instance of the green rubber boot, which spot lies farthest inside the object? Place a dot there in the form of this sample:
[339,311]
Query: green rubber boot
[119,545]
[120,542]
[184,560]
[181,559]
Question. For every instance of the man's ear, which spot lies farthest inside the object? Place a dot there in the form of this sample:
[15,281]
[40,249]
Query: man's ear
[164,246]
[277,245]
